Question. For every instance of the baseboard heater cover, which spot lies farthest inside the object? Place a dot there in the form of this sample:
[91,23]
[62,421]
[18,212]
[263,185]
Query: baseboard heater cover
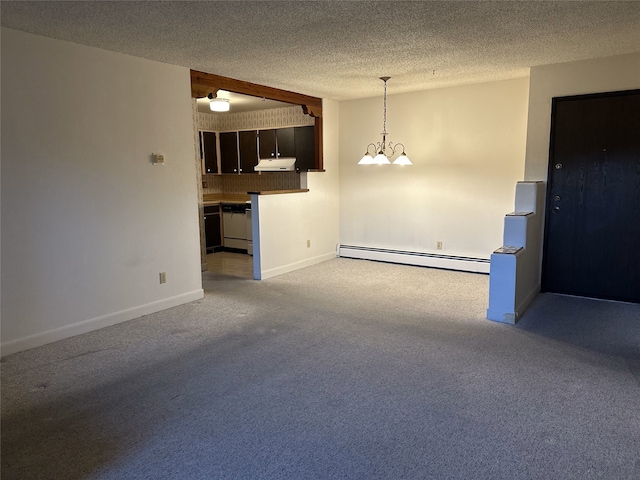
[449,262]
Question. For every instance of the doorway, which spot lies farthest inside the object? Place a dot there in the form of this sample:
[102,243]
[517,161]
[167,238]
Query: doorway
[592,229]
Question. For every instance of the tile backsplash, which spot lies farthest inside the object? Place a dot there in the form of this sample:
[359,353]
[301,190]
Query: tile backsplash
[250,182]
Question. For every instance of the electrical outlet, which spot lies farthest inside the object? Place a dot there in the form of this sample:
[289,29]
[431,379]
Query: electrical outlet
[308,243]
[163,277]
[439,245]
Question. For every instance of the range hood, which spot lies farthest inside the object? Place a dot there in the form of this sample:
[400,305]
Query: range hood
[284,164]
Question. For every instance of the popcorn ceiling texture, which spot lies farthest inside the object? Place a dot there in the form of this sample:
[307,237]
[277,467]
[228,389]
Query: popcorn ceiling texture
[338,49]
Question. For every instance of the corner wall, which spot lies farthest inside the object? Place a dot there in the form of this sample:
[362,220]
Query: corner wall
[287,221]
[88,222]
[467,146]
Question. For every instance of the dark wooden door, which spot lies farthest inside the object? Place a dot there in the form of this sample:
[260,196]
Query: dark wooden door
[229,152]
[285,138]
[212,229]
[305,148]
[248,141]
[267,141]
[592,232]
[208,152]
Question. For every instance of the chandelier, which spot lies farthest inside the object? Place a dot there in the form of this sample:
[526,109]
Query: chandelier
[384,151]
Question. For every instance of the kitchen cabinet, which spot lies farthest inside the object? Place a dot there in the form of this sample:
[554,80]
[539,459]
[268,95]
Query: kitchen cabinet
[229,152]
[212,229]
[285,142]
[267,142]
[239,152]
[208,152]
[279,142]
[248,146]
[305,148]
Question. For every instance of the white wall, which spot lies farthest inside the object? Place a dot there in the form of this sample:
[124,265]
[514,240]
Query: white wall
[287,221]
[87,221]
[467,145]
[609,74]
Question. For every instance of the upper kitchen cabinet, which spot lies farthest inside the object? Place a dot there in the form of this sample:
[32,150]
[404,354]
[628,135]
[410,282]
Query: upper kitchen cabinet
[285,142]
[279,142]
[229,152]
[305,148]
[208,152]
[248,143]
[267,141]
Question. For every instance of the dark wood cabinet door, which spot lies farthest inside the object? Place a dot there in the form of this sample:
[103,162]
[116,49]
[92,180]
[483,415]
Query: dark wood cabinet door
[212,230]
[229,152]
[267,141]
[305,148]
[248,150]
[208,152]
[285,140]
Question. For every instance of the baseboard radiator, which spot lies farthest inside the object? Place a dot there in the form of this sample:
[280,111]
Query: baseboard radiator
[449,262]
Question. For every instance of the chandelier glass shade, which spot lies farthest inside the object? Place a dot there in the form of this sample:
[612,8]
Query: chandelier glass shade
[383,151]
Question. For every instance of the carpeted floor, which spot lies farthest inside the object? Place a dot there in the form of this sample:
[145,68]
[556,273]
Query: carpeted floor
[344,370]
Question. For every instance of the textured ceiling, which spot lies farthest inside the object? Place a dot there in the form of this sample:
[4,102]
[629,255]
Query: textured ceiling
[338,49]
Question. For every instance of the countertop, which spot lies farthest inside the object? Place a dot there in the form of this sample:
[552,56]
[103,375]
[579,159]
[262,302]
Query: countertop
[210,199]
[218,198]
[279,192]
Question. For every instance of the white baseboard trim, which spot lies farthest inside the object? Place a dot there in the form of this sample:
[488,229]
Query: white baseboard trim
[513,317]
[42,338]
[272,272]
[502,317]
[526,301]
[449,262]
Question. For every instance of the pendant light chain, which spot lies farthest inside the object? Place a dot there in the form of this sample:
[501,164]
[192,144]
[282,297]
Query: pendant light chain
[382,155]
[384,110]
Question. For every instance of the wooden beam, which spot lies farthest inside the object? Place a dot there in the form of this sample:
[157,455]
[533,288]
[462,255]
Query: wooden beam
[202,84]
[319,154]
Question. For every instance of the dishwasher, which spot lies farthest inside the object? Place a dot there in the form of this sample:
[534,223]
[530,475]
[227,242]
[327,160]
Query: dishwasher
[234,225]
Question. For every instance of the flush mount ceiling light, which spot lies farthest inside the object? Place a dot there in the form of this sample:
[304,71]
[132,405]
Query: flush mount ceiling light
[218,104]
[384,151]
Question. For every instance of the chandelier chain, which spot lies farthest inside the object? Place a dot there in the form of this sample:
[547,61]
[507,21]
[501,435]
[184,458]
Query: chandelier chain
[382,151]
[384,110]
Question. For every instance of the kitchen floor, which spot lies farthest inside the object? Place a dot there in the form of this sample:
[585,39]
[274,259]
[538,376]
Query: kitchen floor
[232,264]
